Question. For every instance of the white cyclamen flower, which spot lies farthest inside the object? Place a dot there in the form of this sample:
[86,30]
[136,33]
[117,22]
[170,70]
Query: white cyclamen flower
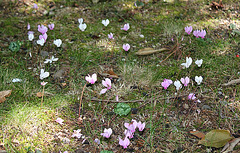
[177,84]
[41,42]
[30,36]
[105,22]
[198,79]
[43,74]
[57,42]
[80,20]
[188,62]
[199,62]
[83,26]
[51,60]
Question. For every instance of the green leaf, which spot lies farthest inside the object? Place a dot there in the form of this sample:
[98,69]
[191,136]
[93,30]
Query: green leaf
[106,151]
[122,109]
[14,46]
[216,138]
[139,3]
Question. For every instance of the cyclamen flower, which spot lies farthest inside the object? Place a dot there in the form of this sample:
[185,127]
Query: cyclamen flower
[42,29]
[188,30]
[177,84]
[51,26]
[110,36]
[166,83]
[80,20]
[199,62]
[82,26]
[126,47]
[128,133]
[107,133]
[131,126]
[91,79]
[97,141]
[35,6]
[105,22]
[59,120]
[188,62]
[192,96]
[185,81]
[41,42]
[198,79]
[43,74]
[28,26]
[77,134]
[125,27]
[44,36]
[202,34]
[124,142]
[52,59]
[30,36]
[106,83]
[140,126]
[57,42]
[43,83]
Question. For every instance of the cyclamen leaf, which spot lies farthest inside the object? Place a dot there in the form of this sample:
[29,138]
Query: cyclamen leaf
[14,46]
[216,138]
[122,109]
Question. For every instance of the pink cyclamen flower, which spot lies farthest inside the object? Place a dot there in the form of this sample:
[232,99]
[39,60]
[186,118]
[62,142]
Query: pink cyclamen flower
[185,81]
[28,26]
[106,83]
[42,29]
[43,83]
[140,126]
[124,142]
[188,30]
[51,26]
[126,47]
[128,133]
[97,141]
[196,33]
[117,99]
[59,120]
[77,134]
[110,36]
[91,79]
[192,96]
[166,83]
[202,34]
[125,27]
[35,6]
[44,36]
[107,133]
[131,126]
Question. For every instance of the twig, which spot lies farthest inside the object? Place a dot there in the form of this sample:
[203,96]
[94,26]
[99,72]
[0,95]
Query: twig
[231,82]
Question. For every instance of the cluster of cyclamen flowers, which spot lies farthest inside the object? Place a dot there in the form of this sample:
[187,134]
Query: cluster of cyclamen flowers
[126,27]
[129,132]
[185,81]
[196,33]
[106,83]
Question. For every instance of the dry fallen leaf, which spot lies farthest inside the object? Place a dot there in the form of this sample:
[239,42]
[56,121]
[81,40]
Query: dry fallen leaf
[39,94]
[109,74]
[230,145]
[4,94]
[216,138]
[198,134]
[148,51]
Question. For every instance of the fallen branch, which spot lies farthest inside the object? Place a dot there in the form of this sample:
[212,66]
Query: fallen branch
[236,81]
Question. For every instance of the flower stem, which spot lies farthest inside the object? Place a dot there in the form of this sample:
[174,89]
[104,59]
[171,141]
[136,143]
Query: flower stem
[42,96]
[81,99]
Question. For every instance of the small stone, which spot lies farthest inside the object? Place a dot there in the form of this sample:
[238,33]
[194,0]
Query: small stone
[206,107]
[44,53]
